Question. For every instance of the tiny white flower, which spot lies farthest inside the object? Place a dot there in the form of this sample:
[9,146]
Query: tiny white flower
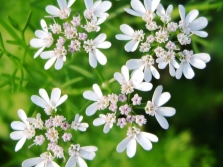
[144,64]
[100,102]
[77,125]
[49,104]
[63,12]
[154,107]
[95,55]
[36,122]
[23,130]
[108,119]
[133,135]
[165,16]
[45,160]
[44,39]
[135,82]
[146,12]
[187,59]
[129,34]
[190,24]
[77,154]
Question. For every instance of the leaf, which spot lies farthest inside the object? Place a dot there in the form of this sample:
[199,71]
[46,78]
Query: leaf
[82,71]
[1,53]
[27,21]
[1,42]
[14,24]
[72,81]
[13,42]
[5,83]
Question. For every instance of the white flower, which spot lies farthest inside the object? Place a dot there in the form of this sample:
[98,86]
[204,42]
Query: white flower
[63,12]
[23,130]
[49,104]
[144,64]
[135,82]
[91,47]
[58,55]
[45,160]
[154,107]
[77,154]
[187,58]
[108,120]
[77,125]
[147,12]
[101,102]
[44,39]
[133,135]
[190,24]
[164,15]
[129,34]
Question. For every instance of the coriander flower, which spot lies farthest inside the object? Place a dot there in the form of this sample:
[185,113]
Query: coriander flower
[154,107]
[189,23]
[129,34]
[63,12]
[91,47]
[23,130]
[147,12]
[45,160]
[144,64]
[108,120]
[129,143]
[101,102]
[187,59]
[77,125]
[49,104]
[164,15]
[44,39]
[135,82]
[77,154]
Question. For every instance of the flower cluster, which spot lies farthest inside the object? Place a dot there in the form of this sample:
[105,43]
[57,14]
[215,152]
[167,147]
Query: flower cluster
[72,35]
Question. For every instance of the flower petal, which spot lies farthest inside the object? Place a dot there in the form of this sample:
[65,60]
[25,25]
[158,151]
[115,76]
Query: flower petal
[90,95]
[160,10]
[99,39]
[86,154]
[100,57]
[150,136]
[59,63]
[147,74]
[49,63]
[17,135]
[155,4]
[191,16]
[38,101]
[169,10]
[92,60]
[123,37]
[37,43]
[119,77]
[107,128]
[157,94]
[131,148]
[61,100]
[71,162]
[144,86]
[125,73]
[201,34]
[31,162]
[188,71]
[88,4]
[162,99]
[171,70]
[55,95]
[38,52]
[123,144]
[40,34]
[44,95]
[81,162]
[144,142]
[89,148]
[133,64]
[179,71]
[197,63]
[47,54]
[98,122]
[17,125]
[104,45]
[92,109]
[198,24]
[43,25]
[54,164]
[166,111]
[62,4]
[138,7]
[127,30]
[102,7]
[137,77]
[132,12]
[52,10]
[162,121]
[182,12]
[131,46]
[20,144]
[97,90]
[202,56]
[155,72]
[22,116]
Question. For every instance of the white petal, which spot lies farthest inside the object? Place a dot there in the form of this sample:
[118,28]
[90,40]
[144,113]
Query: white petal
[70,3]
[17,135]
[134,64]
[137,77]
[132,12]
[102,7]
[87,154]
[171,70]
[123,144]
[100,57]
[144,142]
[155,4]
[191,16]
[38,101]
[162,99]
[100,20]
[71,162]
[89,148]
[198,24]
[162,121]
[123,37]
[61,100]
[37,43]
[47,54]
[148,5]
[131,148]
[162,65]
[166,111]
[99,39]
[54,164]
[106,128]
[138,7]
[157,94]
[188,71]
[97,90]
[88,3]
[201,34]
[49,63]
[104,45]
[118,76]
[40,34]
[131,46]
[202,56]
[44,95]
[98,122]
[38,52]
[31,162]
[160,10]
[83,127]
[182,12]
[126,29]
[174,63]
[52,10]
[155,72]
[150,136]
[62,4]
[22,116]
[17,125]
[92,60]
[144,86]
[169,10]
[20,144]
[179,71]
[90,95]
[92,109]
[81,162]
[197,63]
[43,25]
[59,63]
[147,74]
[125,73]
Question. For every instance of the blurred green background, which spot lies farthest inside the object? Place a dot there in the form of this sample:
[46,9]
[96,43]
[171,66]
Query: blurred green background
[195,136]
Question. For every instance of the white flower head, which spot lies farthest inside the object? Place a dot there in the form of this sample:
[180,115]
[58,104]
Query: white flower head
[100,102]
[44,39]
[108,119]
[129,34]
[77,125]
[144,64]
[189,23]
[146,11]
[95,55]
[165,16]
[51,104]
[77,154]
[23,130]
[45,160]
[154,107]
[133,135]
[135,82]
[187,59]
[63,12]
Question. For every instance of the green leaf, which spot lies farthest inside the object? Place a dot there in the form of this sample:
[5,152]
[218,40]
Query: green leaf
[13,42]
[1,53]
[1,42]
[72,81]
[14,24]
[27,21]
[82,71]
[5,83]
